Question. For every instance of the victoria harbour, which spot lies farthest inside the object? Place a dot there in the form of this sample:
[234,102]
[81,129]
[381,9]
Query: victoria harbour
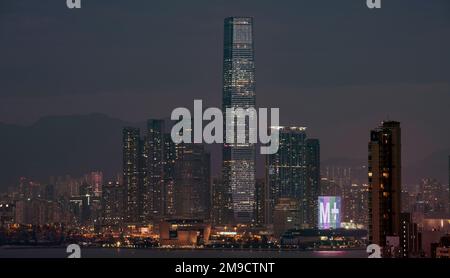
[60,252]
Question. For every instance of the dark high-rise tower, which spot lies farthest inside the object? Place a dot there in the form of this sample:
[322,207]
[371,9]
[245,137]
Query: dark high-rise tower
[154,191]
[239,92]
[192,185]
[170,156]
[221,207]
[286,170]
[132,175]
[384,182]
[310,215]
[261,198]
[160,157]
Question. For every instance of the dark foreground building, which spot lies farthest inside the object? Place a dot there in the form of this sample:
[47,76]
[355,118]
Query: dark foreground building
[384,173]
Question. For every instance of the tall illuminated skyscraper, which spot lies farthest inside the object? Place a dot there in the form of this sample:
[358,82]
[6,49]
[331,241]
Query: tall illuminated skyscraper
[132,174]
[170,156]
[154,205]
[385,171]
[239,92]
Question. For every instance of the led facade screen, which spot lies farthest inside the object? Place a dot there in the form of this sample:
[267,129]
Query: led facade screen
[329,212]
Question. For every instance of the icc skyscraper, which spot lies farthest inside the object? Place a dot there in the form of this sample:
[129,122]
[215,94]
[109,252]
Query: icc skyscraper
[239,92]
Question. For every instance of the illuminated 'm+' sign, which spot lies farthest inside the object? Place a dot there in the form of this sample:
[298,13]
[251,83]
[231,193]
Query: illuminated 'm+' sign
[329,212]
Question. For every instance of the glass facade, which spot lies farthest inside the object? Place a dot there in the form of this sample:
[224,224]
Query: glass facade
[239,92]
[286,170]
[294,173]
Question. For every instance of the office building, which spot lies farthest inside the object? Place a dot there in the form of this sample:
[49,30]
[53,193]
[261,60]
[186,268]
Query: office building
[285,216]
[286,171]
[222,205]
[261,199]
[192,184]
[239,92]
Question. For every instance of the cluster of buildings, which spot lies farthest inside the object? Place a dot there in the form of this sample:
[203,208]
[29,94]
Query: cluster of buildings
[68,200]
[162,179]
[167,188]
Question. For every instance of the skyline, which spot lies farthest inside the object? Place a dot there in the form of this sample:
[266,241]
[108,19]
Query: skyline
[357,159]
[93,216]
[251,89]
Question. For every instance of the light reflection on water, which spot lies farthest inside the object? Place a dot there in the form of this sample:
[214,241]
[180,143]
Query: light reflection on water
[177,253]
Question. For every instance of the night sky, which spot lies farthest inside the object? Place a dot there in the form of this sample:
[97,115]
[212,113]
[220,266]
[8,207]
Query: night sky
[333,66]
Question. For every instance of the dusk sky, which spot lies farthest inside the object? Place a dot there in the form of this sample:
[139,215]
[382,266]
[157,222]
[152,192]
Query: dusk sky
[333,66]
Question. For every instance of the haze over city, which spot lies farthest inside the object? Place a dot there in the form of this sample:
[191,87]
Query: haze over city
[323,63]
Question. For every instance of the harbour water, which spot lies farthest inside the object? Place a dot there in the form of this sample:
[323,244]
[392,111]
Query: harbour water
[60,252]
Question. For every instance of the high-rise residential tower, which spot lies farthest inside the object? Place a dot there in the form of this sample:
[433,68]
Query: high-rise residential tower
[384,182]
[132,174]
[112,205]
[154,189]
[170,156]
[239,92]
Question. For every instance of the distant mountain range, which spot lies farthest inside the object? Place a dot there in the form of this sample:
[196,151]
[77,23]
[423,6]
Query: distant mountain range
[435,165]
[75,145]
[60,145]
